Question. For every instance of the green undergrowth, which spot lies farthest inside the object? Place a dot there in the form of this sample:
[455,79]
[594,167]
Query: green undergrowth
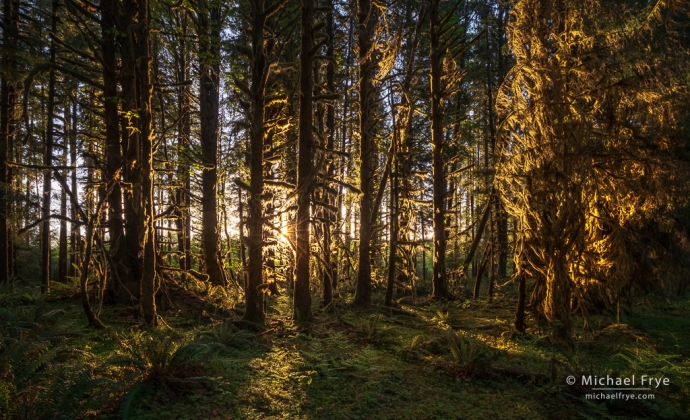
[429,360]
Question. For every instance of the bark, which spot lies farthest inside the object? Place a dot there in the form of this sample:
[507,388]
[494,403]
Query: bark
[131,146]
[90,315]
[145,90]
[367,16]
[112,141]
[423,241]
[439,286]
[48,161]
[74,233]
[477,238]
[182,199]
[557,304]
[305,167]
[254,296]
[519,322]
[393,249]
[330,272]
[7,107]
[62,256]
[480,272]
[137,91]
[209,84]
[499,219]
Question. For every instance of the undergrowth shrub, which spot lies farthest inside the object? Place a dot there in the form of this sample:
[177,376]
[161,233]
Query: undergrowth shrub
[39,378]
[228,335]
[158,360]
[161,356]
[369,327]
[468,354]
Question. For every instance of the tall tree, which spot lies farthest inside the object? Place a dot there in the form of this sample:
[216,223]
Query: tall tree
[48,157]
[437,142]
[113,153]
[305,166]
[330,269]
[260,66]
[209,85]
[184,128]
[367,18]
[137,140]
[7,110]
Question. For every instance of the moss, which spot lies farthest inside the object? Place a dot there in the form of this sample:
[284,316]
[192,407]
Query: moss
[371,363]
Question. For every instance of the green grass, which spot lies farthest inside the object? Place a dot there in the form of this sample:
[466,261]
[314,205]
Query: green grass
[373,364]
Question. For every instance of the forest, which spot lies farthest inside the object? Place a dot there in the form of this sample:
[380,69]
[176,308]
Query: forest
[345,209]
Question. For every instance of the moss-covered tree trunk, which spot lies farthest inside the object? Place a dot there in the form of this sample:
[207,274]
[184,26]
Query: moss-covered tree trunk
[367,16]
[439,283]
[305,167]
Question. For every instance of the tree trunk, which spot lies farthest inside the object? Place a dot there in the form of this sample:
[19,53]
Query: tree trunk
[48,161]
[519,322]
[393,228]
[367,16]
[118,250]
[439,287]
[74,229]
[482,265]
[131,146]
[137,90]
[183,222]
[254,295]
[7,106]
[209,84]
[145,90]
[330,272]
[305,167]
[62,257]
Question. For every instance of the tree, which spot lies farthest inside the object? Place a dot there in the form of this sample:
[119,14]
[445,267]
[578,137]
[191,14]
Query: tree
[209,17]
[305,166]
[7,111]
[579,125]
[367,23]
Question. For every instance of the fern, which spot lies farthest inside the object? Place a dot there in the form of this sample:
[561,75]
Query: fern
[130,400]
[161,357]
[468,354]
[370,327]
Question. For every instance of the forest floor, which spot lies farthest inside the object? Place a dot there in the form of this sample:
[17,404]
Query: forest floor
[430,360]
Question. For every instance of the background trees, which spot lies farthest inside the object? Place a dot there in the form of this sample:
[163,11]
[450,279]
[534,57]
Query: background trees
[262,148]
[579,129]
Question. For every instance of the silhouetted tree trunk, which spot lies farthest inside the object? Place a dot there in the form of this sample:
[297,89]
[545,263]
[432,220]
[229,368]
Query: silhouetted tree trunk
[182,198]
[131,146]
[62,256]
[74,229]
[393,246]
[254,295]
[209,84]
[112,141]
[367,15]
[330,271]
[145,88]
[439,177]
[519,322]
[7,107]
[305,166]
[139,218]
[48,161]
